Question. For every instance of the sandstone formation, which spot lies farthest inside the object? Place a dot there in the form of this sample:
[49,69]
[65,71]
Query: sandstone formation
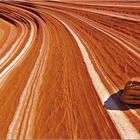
[131,93]
[60,61]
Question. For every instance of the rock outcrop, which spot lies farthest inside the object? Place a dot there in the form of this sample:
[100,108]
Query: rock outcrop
[131,93]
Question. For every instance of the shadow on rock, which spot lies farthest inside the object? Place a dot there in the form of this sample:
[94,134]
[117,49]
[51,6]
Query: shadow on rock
[114,103]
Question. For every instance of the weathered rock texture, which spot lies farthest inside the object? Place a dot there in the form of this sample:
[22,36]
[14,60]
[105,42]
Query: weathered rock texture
[131,93]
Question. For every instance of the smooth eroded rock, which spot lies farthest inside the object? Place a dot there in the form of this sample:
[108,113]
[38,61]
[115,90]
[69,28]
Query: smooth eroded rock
[131,93]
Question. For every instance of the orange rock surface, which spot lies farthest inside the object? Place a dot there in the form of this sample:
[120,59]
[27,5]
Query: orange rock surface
[60,61]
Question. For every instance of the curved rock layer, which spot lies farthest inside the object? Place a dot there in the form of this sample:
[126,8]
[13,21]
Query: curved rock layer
[59,63]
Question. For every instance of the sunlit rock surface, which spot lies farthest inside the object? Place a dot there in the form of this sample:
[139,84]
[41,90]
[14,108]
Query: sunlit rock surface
[62,63]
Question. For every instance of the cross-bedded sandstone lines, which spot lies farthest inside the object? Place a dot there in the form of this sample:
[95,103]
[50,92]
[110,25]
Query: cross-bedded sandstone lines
[61,64]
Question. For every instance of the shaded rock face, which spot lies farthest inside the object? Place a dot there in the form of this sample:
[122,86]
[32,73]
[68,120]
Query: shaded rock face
[131,93]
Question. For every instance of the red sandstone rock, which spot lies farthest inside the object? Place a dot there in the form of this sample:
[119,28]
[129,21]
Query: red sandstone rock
[131,93]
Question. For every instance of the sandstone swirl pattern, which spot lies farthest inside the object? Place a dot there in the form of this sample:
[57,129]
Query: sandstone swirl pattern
[60,64]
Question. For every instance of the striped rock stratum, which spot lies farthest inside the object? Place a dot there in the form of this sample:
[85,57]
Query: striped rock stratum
[63,65]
